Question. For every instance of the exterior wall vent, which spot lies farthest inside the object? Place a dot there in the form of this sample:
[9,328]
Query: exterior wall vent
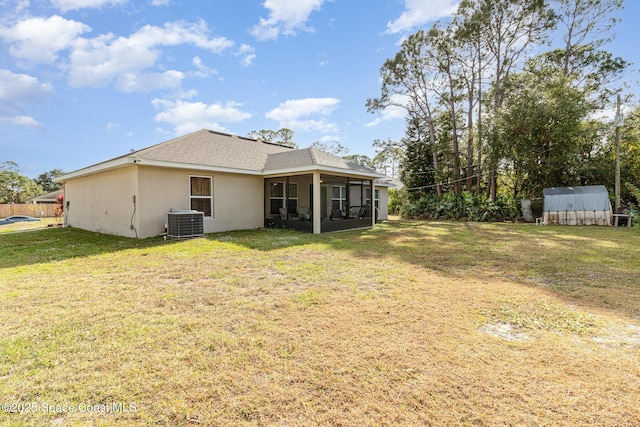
[184,224]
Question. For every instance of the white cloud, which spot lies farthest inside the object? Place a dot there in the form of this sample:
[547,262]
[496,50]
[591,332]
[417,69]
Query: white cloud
[285,17]
[101,60]
[188,117]
[292,114]
[39,40]
[66,5]
[146,82]
[160,2]
[393,112]
[389,113]
[24,121]
[16,90]
[248,54]
[203,70]
[420,12]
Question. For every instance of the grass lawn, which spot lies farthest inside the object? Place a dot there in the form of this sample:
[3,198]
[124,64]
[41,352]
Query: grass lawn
[27,225]
[434,323]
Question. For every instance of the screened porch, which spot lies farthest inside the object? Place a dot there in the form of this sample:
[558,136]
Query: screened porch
[334,203]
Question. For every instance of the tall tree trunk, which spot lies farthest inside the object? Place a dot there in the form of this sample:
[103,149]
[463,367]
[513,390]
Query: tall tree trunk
[457,185]
[479,166]
[470,141]
[434,155]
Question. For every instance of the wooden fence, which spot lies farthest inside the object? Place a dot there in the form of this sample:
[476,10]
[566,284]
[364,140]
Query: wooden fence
[43,210]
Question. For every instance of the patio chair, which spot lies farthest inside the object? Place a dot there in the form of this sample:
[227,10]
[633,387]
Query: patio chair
[303,213]
[336,214]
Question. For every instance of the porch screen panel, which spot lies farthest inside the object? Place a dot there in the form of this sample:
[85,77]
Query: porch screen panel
[338,197]
[276,194]
[376,198]
[292,202]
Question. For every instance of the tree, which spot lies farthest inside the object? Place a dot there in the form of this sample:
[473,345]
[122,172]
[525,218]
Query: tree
[630,154]
[16,188]
[468,34]
[388,156]
[45,180]
[417,172]
[282,136]
[509,29]
[332,147]
[361,160]
[583,21]
[409,81]
[541,133]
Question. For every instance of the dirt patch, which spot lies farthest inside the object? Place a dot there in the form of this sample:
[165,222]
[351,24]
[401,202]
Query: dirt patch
[505,331]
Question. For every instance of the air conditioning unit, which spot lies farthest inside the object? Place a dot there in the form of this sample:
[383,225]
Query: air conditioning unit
[184,224]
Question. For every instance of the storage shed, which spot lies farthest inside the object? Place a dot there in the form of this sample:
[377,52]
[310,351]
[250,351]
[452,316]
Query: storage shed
[587,205]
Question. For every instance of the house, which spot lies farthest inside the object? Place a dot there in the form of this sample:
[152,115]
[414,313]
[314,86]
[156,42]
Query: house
[237,182]
[585,205]
[45,199]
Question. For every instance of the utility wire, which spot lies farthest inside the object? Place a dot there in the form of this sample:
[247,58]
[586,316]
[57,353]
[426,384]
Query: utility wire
[450,182]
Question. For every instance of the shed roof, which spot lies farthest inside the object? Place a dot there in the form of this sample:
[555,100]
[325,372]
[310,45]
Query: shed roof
[583,198]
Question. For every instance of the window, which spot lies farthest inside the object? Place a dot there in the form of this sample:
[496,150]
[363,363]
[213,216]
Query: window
[278,197]
[339,197]
[201,195]
[376,197]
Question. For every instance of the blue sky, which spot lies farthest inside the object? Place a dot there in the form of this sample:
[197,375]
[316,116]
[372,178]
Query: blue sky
[82,81]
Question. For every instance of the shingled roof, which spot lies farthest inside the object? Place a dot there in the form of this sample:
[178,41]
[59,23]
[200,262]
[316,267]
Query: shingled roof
[206,149]
[210,148]
[309,157]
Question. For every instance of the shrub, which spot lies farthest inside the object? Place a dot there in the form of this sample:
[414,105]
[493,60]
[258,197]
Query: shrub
[635,209]
[463,206]
[396,199]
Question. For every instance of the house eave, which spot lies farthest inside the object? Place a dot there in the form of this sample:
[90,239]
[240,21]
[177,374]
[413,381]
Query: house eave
[95,169]
[191,166]
[322,169]
[131,161]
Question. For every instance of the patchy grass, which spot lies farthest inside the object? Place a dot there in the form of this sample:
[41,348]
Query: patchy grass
[409,323]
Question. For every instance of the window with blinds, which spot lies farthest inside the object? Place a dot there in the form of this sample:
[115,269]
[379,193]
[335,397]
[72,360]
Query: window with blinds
[201,194]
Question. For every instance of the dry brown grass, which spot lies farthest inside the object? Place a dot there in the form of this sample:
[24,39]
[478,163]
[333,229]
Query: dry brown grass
[413,323]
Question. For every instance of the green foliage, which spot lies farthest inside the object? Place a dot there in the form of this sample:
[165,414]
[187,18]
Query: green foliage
[541,135]
[533,128]
[361,160]
[635,207]
[419,172]
[332,147]
[16,188]
[45,180]
[629,154]
[397,198]
[281,136]
[463,206]
[389,155]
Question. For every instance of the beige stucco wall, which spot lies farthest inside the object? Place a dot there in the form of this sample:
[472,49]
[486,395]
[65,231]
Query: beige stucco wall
[383,203]
[237,199]
[102,202]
